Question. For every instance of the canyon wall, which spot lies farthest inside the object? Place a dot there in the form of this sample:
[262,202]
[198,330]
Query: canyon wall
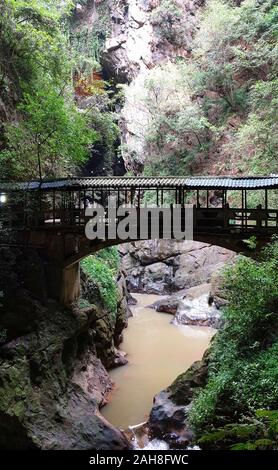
[52,361]
[167,266]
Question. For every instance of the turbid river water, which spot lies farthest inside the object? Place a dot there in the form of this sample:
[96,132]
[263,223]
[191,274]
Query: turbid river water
[158,352]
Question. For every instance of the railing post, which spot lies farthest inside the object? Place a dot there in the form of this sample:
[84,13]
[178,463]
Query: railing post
[54,203]
[242,209]
[266,206]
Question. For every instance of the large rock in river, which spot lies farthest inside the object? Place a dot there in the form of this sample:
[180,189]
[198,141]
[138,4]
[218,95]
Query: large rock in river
[168,417]
[167,266]
[193,306]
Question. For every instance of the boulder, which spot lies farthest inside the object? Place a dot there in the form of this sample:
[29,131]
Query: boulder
[196,308]
[217,291]
[168,417]
[193,306]
[167,305]
[168,266]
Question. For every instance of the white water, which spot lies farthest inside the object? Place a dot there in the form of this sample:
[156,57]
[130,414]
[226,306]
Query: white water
[158,352]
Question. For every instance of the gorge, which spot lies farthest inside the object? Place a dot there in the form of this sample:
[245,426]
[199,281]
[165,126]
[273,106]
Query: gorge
[168,344]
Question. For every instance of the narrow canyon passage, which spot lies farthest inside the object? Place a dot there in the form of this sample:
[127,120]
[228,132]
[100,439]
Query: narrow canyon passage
[158,352]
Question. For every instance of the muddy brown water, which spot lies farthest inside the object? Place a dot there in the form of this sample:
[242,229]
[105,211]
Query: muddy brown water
[158,352]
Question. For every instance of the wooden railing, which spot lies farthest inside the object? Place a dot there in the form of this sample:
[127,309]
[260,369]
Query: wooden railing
[210,220]
[232,220]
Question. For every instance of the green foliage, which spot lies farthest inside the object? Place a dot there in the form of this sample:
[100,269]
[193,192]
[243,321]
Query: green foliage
[175,118]
[32,42]
[226,88]
[110,256]
[168,18]
[108,132]
[102,269]
[235,41]
[251,242]
[87,41]
[257,433]
[172,126]
[236,58]
[232,72]
[243,373]
[50,138]
[259,133]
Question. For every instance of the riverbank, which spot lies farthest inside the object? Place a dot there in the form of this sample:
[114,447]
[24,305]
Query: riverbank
[157,351]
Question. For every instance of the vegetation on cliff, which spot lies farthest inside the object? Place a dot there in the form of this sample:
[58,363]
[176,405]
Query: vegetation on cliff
[102,269]
[213,106]
[47,65]
[243,374]
[52,361]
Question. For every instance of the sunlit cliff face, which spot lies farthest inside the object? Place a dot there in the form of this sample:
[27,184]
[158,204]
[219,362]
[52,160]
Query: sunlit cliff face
[145,35]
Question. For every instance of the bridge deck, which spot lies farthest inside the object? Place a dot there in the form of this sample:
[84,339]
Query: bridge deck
[220,203]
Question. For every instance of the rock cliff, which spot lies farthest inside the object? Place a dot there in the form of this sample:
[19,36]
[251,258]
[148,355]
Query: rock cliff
[167,266]
[169,415]
[144,34]
[52,374]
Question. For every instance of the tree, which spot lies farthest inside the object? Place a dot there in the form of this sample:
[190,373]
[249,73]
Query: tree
[235,46]
[32,42]
[50,138]
[168,19]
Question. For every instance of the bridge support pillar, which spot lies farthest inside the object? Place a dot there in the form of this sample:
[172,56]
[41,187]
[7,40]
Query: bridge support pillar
[64,283]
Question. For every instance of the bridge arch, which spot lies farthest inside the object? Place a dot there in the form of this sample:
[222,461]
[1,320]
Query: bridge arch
[51,215]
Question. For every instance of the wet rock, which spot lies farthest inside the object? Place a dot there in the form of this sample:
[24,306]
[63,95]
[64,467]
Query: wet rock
[193,306]
[76,426]
[107,327]
[197,266]
[168,417]
[197,308]
[217,292]
[120,359]
[52,379]
[168,266]
[167,305]
[182,390]
[131,301]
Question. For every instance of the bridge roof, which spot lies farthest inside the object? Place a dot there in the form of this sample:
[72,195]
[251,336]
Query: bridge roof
[115,182]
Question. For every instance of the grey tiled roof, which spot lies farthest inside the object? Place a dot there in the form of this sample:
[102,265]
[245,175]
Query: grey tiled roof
[197,182]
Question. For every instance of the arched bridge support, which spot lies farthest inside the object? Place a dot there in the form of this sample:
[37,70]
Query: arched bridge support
[63,251]
[63,283]
[55,247]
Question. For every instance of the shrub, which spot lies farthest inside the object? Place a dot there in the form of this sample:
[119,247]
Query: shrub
[257,433]
[243,373]
[168,18]
[102,269]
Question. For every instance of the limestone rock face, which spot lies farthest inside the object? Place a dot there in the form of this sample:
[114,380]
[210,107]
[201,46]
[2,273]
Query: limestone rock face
[128,50]
[52,379]
[108,328]
[167,266]
[136,44]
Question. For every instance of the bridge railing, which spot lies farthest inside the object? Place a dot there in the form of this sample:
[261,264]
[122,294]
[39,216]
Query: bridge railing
[64,212]
[233,219]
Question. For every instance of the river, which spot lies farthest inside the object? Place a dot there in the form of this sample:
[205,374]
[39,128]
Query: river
[158,352]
